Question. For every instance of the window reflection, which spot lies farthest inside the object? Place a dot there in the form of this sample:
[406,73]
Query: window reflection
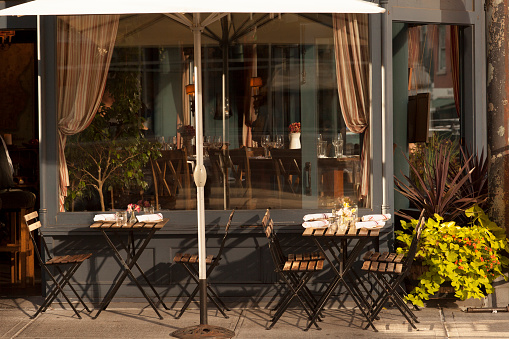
[261,73]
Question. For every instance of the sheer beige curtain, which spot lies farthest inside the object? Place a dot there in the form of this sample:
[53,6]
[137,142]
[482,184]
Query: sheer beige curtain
[84,49]
[352,73]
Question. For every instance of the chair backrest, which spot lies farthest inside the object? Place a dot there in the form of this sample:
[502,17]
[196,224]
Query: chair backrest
[274,245]
[218,164]
[33,223]
[240,165]
[223,242]
[265,223]
[171,173]
[287,163]
[415,242]
[289,160]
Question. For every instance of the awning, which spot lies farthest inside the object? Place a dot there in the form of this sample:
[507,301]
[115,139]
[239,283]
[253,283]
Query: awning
[79,7]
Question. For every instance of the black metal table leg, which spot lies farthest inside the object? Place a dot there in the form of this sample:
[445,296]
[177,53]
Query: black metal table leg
[127,271]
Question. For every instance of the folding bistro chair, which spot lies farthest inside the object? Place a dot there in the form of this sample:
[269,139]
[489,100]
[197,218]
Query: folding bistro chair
[190,263]
[389,270]
[295,270]
[72,261]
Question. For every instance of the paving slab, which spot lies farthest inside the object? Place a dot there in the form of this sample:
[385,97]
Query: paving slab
[138,320]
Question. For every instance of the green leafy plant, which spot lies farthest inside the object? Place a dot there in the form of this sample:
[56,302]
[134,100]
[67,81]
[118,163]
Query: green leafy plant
[112,152]
[469,257]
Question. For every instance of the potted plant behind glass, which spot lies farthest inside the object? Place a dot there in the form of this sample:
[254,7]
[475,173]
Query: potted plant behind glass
[113,151]
[294,135]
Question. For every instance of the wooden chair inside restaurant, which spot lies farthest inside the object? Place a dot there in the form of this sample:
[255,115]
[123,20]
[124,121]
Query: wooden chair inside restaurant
[255,152]
[217,165]
[295,271]
[241,169]
[190,263]
[172,178]
[64,267]
[389,270]
[288,164]
[15,204]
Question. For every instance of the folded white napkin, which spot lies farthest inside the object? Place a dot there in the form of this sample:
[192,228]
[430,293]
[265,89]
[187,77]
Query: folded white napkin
[317,216]
[316,224]
[149,217]
[105,217]
[370,224]
[376,217]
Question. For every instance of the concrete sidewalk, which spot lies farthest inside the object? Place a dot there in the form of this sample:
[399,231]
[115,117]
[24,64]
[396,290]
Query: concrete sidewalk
[137,320]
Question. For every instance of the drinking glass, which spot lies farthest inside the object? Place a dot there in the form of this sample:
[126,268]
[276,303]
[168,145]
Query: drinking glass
[265,144]
[279,141]
[172,142]
[121,218]
[337,142]
[218,142]
[207,141]
[161,141]
[321,149]
[148,210]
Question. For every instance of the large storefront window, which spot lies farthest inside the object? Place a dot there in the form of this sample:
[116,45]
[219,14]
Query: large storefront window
[428,103]
[261,73]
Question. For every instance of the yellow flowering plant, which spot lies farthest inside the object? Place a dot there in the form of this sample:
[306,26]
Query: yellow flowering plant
[469,257]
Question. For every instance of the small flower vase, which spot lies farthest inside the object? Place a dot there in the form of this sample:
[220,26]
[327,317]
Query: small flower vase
[294,140]
[188,144]
[132,219]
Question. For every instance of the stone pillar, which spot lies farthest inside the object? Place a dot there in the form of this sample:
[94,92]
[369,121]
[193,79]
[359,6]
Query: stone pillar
[498,108]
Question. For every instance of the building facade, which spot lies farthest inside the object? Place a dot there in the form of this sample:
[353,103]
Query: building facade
[364,88]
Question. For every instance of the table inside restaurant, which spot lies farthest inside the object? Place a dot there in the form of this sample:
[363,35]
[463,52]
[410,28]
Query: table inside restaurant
[334,246]
[138,236]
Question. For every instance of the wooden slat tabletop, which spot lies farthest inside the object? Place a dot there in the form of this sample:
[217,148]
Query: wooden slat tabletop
[350,232]
[128,226]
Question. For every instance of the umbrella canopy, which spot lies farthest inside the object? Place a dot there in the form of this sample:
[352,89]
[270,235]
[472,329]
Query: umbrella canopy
[78,7]
[212,11]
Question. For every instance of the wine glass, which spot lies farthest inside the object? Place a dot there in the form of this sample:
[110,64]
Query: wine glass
[337,142]
[218,142]
[279,141]
[172,143]
[265,144]
[160,140]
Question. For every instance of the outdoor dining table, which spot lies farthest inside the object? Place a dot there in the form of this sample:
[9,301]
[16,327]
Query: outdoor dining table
[334,246]
[139,235]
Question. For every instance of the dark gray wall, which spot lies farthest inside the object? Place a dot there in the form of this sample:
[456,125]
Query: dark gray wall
[245,275]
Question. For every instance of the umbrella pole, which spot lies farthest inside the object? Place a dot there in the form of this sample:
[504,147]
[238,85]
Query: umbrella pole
[200,177]
[200,174]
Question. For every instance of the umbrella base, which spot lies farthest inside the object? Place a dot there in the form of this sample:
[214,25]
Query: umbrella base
[203,331]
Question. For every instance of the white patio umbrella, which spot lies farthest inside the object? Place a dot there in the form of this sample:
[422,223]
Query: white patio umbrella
[200,13]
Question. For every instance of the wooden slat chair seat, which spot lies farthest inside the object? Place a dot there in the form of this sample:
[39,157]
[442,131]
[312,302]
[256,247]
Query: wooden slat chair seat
[68,259]
[295,273]
[190,263]
[306,256]
[65,266]
[389,270]
[192,258]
